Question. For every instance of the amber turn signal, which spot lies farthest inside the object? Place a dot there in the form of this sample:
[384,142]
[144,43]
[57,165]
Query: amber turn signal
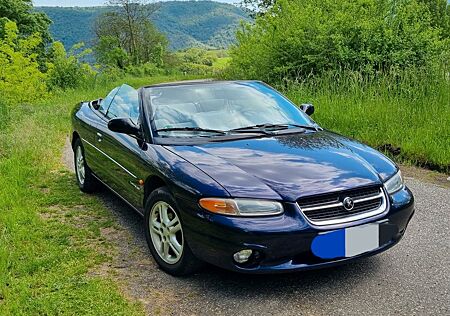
[220,206]
[242,207]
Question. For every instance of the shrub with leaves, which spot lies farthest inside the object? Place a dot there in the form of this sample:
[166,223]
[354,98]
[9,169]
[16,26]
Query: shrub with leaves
[195,69]
[28,22]
[198,56]
[144,70]
[297,38]
[20,78]
[66,70]
[109,53]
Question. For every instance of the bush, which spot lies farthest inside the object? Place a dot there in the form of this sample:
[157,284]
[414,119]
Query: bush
[198,56]
[67,70]
[20,78]
[297,38]
[195,69]
[107,74]
[147,69]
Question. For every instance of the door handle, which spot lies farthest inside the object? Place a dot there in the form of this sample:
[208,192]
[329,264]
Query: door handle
[99,137]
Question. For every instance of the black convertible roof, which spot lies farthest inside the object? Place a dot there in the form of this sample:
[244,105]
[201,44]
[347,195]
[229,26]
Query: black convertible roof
[192,82]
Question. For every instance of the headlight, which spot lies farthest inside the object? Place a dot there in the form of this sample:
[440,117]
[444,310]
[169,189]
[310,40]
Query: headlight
[241,207]
[394,183]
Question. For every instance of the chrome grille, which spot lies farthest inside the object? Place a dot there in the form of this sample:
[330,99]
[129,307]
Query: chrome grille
[329,209]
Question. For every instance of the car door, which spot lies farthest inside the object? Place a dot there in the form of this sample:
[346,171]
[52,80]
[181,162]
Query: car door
[122,163]
[94,156]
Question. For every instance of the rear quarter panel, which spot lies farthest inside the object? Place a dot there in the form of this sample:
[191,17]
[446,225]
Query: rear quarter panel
[84,124]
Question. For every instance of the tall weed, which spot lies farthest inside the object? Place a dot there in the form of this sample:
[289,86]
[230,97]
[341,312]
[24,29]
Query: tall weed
[405,109]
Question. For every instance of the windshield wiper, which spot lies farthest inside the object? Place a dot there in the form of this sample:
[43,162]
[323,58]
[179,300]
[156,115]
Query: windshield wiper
[192,129]
[262,127]
[312,127]
[266,129]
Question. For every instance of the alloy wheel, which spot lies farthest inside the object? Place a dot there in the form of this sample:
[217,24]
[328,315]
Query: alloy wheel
[79,160]
[166,232]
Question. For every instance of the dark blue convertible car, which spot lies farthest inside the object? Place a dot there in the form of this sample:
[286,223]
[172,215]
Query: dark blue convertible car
[234,174]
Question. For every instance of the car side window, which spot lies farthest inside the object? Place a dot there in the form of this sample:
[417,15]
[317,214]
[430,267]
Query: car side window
[125,104]
[104,105]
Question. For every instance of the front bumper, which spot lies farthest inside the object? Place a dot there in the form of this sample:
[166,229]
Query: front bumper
[283,243]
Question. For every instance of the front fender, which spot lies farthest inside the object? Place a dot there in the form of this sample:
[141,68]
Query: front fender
[183,178]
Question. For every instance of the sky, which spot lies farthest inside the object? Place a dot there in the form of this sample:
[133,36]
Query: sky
[86,3]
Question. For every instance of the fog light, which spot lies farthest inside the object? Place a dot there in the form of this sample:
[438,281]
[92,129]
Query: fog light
[242,256]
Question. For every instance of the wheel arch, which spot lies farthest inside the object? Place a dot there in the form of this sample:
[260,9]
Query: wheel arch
[152,183]
[75,137]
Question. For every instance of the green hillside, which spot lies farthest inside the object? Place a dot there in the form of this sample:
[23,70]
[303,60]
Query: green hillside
[186,23]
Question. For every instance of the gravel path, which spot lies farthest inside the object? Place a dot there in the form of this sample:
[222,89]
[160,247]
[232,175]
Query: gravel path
[411,278]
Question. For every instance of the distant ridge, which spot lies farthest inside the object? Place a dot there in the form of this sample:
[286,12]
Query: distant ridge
[186,23]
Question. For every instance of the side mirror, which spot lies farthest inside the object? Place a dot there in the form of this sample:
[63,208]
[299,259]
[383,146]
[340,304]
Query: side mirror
[308,108]
[124,126]
[96,103]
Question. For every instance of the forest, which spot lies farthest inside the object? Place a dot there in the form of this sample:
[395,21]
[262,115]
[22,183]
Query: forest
[186,24]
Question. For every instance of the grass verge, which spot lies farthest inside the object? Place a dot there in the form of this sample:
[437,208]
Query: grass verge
[407,116]
[50,233]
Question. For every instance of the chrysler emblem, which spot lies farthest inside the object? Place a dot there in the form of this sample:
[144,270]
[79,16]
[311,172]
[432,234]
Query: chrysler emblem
[348,203]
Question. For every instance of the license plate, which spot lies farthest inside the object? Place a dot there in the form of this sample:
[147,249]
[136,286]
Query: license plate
[347,242]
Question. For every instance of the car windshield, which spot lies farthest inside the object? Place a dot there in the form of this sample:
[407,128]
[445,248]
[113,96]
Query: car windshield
[216,107]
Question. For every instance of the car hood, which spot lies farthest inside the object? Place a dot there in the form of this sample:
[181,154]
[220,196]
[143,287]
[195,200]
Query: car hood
[288,166]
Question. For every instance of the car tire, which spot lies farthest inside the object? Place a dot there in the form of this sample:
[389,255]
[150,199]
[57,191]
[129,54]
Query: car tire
[86,181]
[165,235]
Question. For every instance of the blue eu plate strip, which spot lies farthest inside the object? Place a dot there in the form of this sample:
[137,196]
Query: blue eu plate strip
[346,242]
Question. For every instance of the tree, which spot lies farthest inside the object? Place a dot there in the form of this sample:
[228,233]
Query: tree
[110,53]
[257,7]
[127,28]
[28,22]
[152,44]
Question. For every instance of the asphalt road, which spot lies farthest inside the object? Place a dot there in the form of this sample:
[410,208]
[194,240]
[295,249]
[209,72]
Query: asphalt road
[411,278]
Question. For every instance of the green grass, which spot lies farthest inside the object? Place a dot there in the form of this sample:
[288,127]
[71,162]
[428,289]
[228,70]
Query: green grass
[50,240]
[410,112]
